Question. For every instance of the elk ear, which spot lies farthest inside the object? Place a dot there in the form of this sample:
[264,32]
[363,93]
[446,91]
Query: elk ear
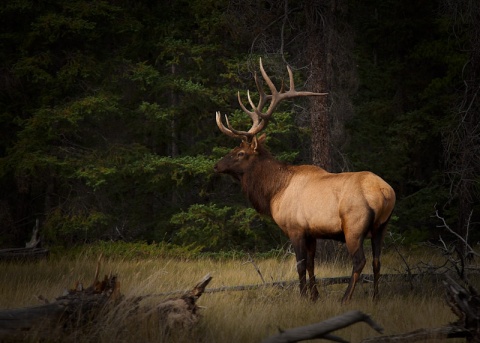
[256,141]
[244,142]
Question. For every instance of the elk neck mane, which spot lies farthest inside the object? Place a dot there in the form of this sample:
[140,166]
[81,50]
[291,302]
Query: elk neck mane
[265,178]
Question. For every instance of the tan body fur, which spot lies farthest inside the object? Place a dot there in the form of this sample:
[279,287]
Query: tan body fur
[316,201]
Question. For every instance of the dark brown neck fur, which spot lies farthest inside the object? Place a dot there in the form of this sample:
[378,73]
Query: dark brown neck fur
[263,180]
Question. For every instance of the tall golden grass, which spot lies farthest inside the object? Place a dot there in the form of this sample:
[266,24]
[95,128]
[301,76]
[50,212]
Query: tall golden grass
[230,316]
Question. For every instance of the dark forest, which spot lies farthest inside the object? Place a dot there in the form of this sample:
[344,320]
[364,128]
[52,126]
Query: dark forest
[107,112]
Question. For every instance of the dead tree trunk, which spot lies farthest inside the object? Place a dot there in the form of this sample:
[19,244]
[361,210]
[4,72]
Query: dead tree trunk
[461,143]
[75,306]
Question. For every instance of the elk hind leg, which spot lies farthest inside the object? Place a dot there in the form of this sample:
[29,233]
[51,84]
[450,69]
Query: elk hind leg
[377,240]
[355,229]
[355,249]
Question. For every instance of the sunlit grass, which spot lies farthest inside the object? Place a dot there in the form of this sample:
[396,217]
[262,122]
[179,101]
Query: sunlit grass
[235,316]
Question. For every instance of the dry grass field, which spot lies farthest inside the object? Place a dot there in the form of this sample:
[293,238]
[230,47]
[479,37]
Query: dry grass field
[233,316]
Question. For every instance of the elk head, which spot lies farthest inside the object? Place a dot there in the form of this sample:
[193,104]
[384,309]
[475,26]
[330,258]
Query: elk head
[238,160]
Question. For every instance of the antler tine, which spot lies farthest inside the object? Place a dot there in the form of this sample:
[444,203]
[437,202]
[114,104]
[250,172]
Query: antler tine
[263,97]
[250,101]
[248,135]
[292,92]
[244,135]
[252,115]
[222,127]
[290,77]
[267,79]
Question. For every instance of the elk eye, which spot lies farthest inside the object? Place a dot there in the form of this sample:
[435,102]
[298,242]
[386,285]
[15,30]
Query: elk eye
[241,154]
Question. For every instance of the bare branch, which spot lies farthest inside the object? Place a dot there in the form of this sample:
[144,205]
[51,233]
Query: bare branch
[250,260]
[469,249]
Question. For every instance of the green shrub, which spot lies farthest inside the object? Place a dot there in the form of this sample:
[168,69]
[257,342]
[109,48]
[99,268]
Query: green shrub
[214,228]
[70,229]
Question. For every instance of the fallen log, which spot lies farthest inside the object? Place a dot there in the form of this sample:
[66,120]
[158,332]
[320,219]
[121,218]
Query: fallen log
[32,250]
[327,281]
[420,335]
[80,307]
[323,329]
[26,254]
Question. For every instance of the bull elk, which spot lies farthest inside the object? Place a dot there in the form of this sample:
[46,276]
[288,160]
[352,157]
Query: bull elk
[306,201]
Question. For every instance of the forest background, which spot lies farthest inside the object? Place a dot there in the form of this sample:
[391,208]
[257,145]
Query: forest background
[107,113]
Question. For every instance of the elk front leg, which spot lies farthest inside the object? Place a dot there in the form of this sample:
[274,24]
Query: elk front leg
[300,248]
[311,249]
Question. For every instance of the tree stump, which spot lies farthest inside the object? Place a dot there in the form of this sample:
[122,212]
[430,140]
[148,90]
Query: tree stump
[465,303]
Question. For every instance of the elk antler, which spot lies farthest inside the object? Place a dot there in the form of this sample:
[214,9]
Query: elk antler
[260,119]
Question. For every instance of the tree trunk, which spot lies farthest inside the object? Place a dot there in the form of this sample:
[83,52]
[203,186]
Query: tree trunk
[173,123]
[317,53]
[174,134]
[470,123]
[325,47]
